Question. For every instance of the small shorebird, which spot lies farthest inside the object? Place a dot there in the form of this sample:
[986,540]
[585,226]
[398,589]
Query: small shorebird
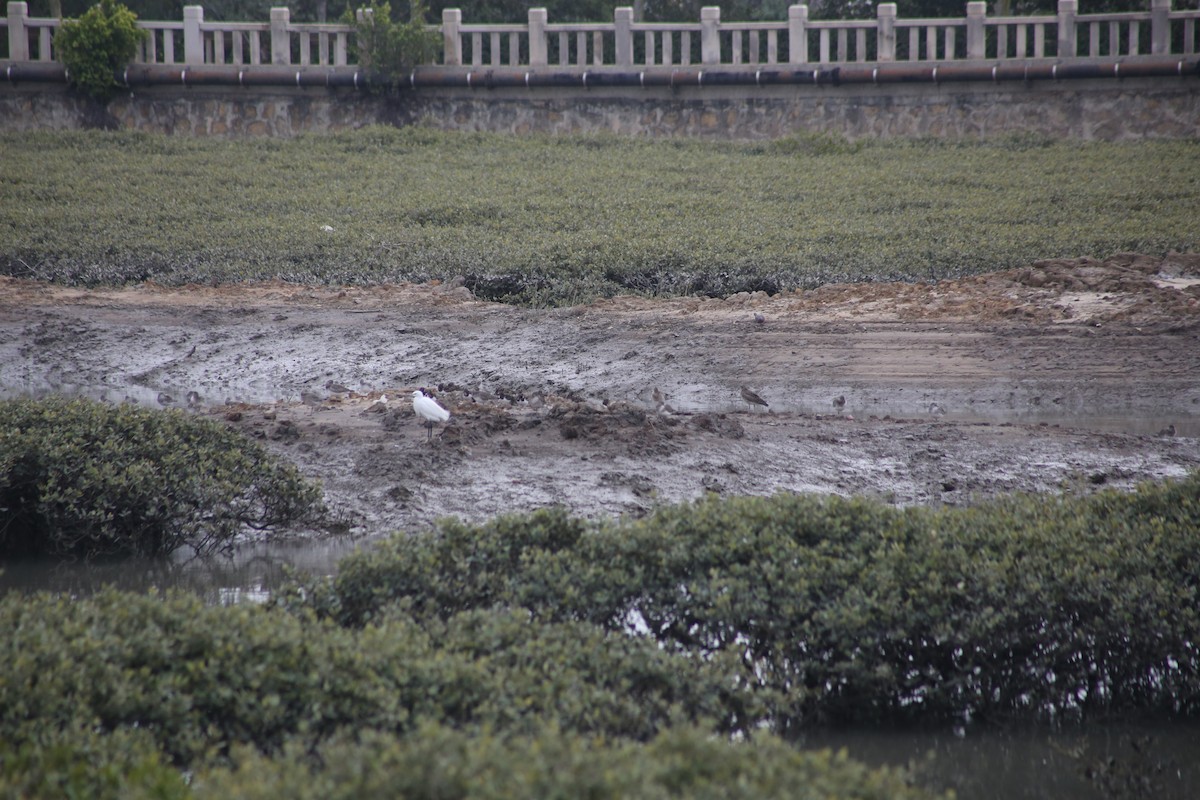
[659,398]
[753,399]
[336,388]
[1168,431]
[839,402]
[429,411]
[311,399]
[759,318]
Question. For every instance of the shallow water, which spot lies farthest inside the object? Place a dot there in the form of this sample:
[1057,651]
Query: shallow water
[249,574]
[1111,760]
[1160,760]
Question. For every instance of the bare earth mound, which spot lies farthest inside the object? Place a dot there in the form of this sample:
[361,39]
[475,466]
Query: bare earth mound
[1078,372]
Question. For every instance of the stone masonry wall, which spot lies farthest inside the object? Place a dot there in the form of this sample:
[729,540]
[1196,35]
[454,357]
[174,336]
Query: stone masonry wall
[1094,109]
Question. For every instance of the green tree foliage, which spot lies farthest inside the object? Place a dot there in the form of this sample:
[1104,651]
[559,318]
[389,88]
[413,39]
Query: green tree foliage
[96,45]
[389,50]
[84,478]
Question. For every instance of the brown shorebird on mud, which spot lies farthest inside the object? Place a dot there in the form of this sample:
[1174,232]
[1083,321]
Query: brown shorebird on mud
[753,399]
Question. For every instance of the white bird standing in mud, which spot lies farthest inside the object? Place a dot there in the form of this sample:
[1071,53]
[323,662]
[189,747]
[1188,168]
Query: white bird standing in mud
[429,411]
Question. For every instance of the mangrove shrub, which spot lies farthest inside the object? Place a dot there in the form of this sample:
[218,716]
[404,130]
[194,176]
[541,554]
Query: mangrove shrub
[78,477]
[848,610]
[107,696]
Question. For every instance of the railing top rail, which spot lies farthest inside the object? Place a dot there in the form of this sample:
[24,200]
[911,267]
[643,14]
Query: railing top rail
[580,27]
[321,27]
[499,28]
[754,26]
[842,23]
[1045,19]
[159,25]
[666,27]
[932,22]
[1125,16]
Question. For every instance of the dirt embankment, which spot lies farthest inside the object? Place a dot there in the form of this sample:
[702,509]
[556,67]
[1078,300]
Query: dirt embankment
[1079,372]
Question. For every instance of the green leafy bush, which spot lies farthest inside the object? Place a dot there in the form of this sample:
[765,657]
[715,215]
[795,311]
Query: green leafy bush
[389,50]
[84,478]
[441,762]
[849,610]
[116,765]
[102,695]
[96,45]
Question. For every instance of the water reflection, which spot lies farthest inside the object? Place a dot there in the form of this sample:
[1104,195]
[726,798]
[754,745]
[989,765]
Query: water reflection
[249,574]
[1160,760]
[1109,760]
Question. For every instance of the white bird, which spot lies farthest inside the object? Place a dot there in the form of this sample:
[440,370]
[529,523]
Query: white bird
[428,410]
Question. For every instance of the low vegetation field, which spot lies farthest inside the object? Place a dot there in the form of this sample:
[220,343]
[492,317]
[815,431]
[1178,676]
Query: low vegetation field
[548,221]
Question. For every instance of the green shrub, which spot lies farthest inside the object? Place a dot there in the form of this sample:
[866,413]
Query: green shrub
[444,763]
[96,45]
[84,478]
[390,50]
[849,610]
[120,765]
[203,679]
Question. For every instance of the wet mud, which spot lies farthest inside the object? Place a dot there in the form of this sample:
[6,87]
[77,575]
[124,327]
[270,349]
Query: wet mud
[1080,373]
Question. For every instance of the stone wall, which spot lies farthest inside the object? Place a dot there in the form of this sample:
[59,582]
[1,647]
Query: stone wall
[1106,109]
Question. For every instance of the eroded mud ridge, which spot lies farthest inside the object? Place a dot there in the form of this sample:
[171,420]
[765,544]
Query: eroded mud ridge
[1076,372]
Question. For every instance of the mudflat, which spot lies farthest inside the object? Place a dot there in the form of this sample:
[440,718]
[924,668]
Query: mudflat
[1080,373]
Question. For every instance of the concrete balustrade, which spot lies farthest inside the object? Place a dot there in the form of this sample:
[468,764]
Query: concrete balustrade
[623,42]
